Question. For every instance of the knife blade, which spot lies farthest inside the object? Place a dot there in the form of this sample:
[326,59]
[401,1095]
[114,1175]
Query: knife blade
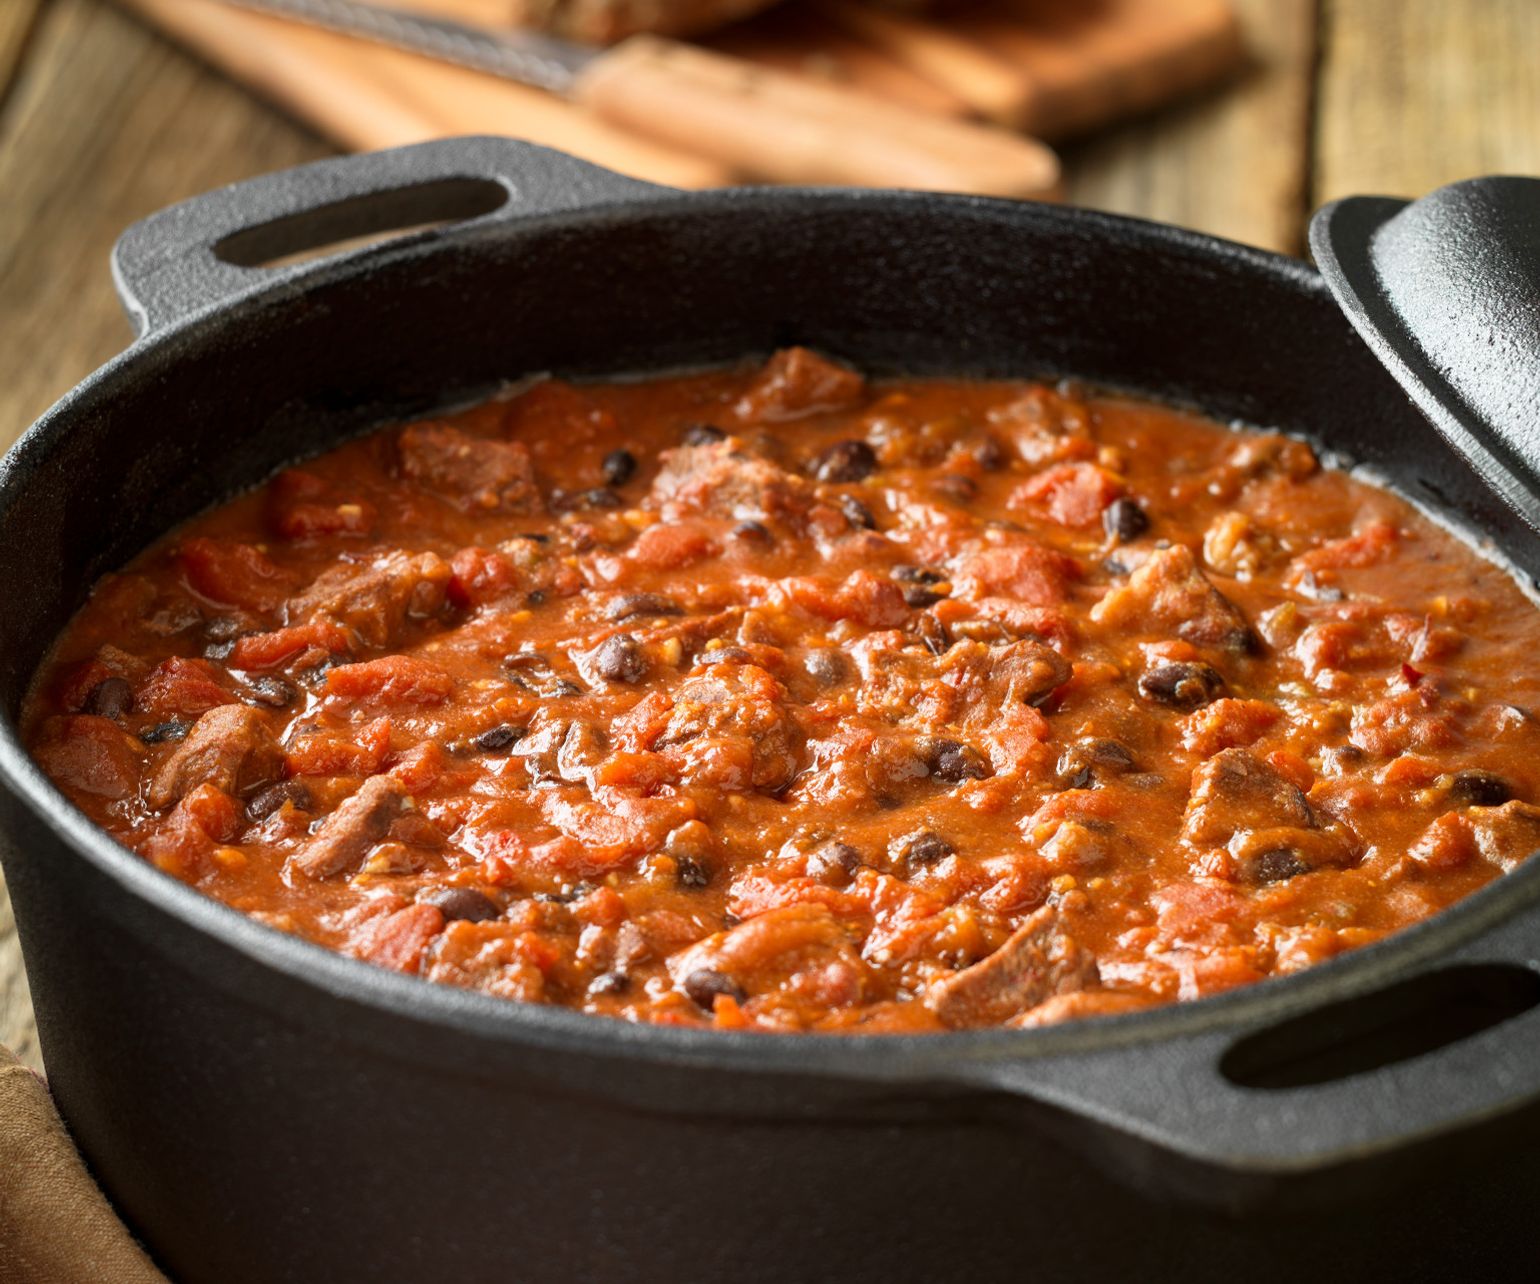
[766,124]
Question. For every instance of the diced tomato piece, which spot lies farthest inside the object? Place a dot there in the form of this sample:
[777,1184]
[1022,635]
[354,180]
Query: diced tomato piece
[232,574]
[90,754]
[1228,724]
[668,546]
[321,755]
[301,505]
[1448,843]
[392,679]
[421,766]
[1021,570]
[1074,494]
[869,599]
[181,687]
[205,817]
[1292,768]
[397,940]
[257,652]
[79,681]
[1373,543]
[480,577]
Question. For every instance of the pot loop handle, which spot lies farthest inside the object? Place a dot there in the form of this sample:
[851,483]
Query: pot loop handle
[211,249]
[1175,1099]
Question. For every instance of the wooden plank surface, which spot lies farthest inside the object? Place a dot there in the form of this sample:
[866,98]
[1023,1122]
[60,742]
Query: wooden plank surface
[18,20]
[1415,94]
[1233,162]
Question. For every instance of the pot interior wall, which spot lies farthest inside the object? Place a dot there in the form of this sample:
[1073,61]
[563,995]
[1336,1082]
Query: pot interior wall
[914,284]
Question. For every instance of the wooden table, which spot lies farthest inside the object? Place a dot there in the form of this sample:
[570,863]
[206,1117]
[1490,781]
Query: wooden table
[102,122]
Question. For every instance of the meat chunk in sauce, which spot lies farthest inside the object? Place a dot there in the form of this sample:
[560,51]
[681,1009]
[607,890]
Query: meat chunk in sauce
[1170,596]
[478,474]
[231,747]
[773,699]
[358,824]
[1039,960]
[377,599]
[1259,820]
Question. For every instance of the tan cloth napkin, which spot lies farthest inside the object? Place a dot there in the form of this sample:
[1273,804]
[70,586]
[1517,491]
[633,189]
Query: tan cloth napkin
[55,1226]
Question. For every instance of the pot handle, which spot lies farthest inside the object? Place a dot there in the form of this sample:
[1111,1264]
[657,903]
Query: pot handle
[1317,1082]
[213,248]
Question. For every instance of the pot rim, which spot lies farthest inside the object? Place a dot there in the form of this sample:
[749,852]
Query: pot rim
[888,1058]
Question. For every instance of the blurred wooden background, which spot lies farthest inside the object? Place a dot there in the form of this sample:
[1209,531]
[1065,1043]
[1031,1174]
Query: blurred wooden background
[102,122]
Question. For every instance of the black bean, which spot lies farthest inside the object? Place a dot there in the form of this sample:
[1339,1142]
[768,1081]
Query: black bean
[953,761]
[264,804]
[920,596]
[1276,865]
[273,692]
[109,698]
[602,497]
[724,655]
[535,537]
[565,687]
[933,634]
[704,984]
[610,983]
[1479,789]
[924,849]
[620,659]
[629,605]
[1125,519]
[572,892]
[958,487]
[990,454]
[1181,684]
[827,666]
[618,468]
[1081,764]
[164,731]
[752,532]
[535,597]
[463,904]
[498,738]
[689,872]
[845,461]
[917,574]
[702,435]
[857,513]
[833,863]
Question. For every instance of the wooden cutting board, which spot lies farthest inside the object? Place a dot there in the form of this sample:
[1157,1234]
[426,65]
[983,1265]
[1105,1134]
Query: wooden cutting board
[1047,67]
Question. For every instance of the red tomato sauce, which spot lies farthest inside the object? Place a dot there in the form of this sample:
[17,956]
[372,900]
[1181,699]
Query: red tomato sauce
[776,699]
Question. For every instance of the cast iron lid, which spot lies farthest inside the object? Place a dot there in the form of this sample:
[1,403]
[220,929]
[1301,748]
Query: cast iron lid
[1446,293]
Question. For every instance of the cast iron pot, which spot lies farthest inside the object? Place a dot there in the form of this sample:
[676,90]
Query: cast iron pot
[262,1110]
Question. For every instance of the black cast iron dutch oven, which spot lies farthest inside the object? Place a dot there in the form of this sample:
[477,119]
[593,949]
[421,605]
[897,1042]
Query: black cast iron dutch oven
[262,1110]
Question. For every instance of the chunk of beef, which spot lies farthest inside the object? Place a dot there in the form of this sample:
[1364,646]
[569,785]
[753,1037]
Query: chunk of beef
[797,382]
[1263,822]
[229,747]
[1508,834]
[1039,960]
[91,754]
[1169,595]
[723,479]
[476,474]
[376,599]
[356,826]
[736,712]
[1018,672]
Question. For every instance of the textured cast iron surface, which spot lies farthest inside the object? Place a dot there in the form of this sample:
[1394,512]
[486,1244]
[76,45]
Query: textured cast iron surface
[263,1110]
[1446,291]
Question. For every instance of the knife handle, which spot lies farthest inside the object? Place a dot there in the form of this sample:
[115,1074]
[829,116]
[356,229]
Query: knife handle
[782,128]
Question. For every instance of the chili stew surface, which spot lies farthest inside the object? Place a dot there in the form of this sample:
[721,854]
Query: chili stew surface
[777,699]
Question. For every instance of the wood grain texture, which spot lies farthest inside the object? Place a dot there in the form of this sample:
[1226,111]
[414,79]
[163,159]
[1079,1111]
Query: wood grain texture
[1233,162]
[1418,93]
[18,21]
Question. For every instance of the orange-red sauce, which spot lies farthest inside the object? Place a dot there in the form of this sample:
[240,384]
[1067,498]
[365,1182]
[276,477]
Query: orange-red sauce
[772,698]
